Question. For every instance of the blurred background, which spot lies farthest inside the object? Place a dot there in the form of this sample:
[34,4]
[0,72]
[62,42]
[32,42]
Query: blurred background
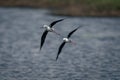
[70,7]
[95,57]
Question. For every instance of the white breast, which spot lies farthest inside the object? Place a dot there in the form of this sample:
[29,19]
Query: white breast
[48,28]
[65,39]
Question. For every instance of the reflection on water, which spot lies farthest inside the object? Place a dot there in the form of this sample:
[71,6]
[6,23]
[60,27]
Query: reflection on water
[95,57]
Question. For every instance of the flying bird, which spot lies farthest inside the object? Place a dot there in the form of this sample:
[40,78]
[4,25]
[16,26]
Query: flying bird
[49,28]
[66,40]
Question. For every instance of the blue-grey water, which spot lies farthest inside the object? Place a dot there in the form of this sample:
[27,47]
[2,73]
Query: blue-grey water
[95,57]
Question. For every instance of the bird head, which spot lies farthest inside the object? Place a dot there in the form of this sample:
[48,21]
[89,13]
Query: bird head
[45,26]
[65,39]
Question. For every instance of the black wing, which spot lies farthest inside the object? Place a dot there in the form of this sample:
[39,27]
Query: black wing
[53,23]
[60,48]
[43,38]
[72,32]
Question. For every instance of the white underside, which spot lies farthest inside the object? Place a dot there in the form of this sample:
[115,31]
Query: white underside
[48,28]
[66,40]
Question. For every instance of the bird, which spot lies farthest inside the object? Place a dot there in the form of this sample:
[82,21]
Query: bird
[66,40]
[48,28]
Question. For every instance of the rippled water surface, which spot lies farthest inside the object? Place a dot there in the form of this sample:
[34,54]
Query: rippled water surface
[95,57]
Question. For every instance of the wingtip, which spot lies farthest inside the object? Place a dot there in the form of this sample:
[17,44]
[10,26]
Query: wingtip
[80,26]
[40,48]
[63,18]
[56,58]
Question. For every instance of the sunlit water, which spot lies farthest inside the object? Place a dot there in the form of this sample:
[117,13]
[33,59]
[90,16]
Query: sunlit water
[95,57]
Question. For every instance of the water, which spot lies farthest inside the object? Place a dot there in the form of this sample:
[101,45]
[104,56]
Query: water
[95,57]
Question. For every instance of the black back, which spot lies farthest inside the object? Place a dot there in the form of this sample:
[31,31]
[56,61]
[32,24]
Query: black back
[69,35]
[60,49]
[53,23]
[62,45]
[43,38]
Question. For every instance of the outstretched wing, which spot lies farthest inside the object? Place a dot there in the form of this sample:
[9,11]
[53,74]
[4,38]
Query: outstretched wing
[60,49]
[43,38]
[72,32]
[53,23]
